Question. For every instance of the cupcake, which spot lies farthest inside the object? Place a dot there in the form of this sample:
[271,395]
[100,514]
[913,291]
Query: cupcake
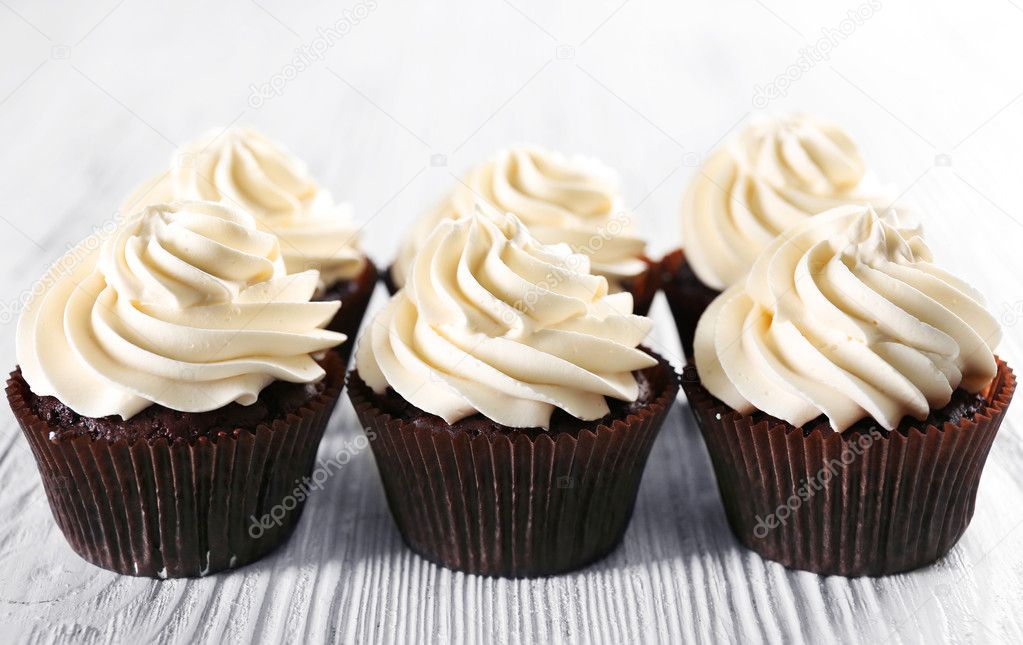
[243,168]
[576,201]
[508,402]
[848,395]
[776,173]
[174,385]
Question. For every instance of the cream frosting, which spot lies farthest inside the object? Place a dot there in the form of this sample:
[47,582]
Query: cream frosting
[574,200]
[774,174]
[188,305]
[246,169]
[846,315]
[494,322]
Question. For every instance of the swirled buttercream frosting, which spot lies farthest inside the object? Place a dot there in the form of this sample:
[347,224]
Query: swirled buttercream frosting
[245,169]
[494,322]
[774,174]
[187,305]
[572,200]
[846,315]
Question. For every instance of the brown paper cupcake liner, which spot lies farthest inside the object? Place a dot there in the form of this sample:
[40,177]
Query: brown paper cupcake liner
[354,301]
[850,504]
[643,287]
[687,297]
[181,509]
[514,504]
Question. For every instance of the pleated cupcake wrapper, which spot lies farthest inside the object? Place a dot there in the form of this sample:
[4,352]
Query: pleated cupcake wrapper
[353,307]
[508,504]
[174,510]
[643,287]
[687,297]
[866,504]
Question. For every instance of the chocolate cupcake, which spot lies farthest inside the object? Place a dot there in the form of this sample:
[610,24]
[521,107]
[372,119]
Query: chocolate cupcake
[244,168]
[169,391]
[572,200]
[776,173]
[848,395]
[509,405]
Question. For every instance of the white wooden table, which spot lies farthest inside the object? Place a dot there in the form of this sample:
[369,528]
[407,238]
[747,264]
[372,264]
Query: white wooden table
[93,100]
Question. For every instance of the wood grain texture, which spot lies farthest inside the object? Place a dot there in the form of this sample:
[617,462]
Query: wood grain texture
[93,99]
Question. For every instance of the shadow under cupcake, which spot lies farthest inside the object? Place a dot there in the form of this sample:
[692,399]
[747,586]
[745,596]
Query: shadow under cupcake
[169,392]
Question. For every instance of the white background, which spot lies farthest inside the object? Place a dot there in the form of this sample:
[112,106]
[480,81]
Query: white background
[93,99]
